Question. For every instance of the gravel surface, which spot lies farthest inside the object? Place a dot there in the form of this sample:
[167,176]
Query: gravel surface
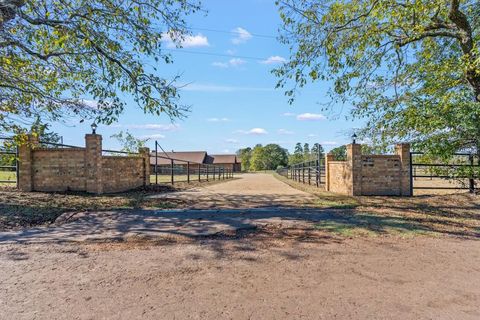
[248,278]
[237,263]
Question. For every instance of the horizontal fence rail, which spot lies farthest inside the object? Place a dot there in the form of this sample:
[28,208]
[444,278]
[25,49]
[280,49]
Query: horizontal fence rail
[461,173]
[8,162]
[309,172]
[169,170]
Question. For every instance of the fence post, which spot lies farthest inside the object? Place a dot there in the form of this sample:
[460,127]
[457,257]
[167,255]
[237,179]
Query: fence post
[156,162]
[214,173]
[93,163]
[145,152]
[309,175]
[303,172]
[317,172]
[199,172]
[171,171]
[188,172]
[471,181]
[207,171]
[25,164]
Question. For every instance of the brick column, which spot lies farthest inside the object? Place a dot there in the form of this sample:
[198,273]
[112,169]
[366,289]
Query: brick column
[145,153]
[354,164]
[93,163]
[328,158]
[403,150]
[25,163]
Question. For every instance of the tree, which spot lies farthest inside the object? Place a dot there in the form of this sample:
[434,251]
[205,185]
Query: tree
[410,68]
[316,150]
[258,158]
[339,153]
[275,156]
[245,154]
[80,57]
[128,142]
[297,155]
[306,152]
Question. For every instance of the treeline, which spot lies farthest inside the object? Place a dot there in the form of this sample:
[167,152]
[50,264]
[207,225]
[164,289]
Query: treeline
[272,156]
[268,157]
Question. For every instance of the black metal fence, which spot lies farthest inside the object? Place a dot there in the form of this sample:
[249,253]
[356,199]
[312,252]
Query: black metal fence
[460,172]
[171,170]
[309,172]
[8,162]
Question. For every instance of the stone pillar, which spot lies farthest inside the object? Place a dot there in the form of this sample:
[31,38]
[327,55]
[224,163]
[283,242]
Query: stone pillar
[403,150]
[145,153]
[328,158]
[25,163]
[354,164]
[93,163]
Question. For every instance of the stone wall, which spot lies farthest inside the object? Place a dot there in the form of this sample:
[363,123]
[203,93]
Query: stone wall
[339,177]
[370,174]
[381,175]
[58,169]
[122,173]
[80,169]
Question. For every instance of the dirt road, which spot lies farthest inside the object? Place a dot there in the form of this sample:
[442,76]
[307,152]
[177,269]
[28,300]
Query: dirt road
[279,270]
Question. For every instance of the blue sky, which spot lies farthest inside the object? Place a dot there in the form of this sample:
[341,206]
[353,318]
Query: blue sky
[233,98]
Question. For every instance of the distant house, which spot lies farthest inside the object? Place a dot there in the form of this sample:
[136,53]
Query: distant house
[181,158]
[230,161]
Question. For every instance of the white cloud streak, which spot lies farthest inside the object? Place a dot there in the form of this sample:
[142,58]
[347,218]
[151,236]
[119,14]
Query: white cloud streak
[253,131]
[284,131]
[189,41]
[234,62]
[274,60]
[242,36]
[311,117]
[218,119]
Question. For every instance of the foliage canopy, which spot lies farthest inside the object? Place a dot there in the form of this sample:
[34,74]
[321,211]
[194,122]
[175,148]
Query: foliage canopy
[410,68]
[83,57]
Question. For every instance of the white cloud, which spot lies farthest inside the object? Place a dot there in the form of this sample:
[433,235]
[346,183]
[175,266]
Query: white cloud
[242,36]
[312,135]
[274,60]
[220,64]
[149,126]
[220,88]
[189,41]
[284,131]
[218,119]
[253,131]
[288,114]
[234,62]
[310,117]
[329,143]
[233,141]
[153,136]
[231,51]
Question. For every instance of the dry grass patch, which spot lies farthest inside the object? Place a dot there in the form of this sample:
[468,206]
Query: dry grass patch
[452,214]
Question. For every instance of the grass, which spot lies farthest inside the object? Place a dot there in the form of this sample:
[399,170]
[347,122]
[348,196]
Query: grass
[9,176]
[448,214]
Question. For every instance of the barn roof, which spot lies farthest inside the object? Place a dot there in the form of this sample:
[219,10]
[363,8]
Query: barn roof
[190,156]
[224,158]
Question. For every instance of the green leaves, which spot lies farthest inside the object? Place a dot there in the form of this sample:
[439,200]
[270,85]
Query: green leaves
[77,57]
[410,69]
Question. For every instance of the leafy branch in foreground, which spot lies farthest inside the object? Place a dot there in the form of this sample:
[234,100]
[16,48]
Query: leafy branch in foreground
[83,57]
[411,69]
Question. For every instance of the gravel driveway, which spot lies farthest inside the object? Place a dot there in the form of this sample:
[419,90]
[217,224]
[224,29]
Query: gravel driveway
[252,255]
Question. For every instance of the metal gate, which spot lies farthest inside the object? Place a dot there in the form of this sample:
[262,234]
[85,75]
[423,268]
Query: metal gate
[460,173]
[8,162]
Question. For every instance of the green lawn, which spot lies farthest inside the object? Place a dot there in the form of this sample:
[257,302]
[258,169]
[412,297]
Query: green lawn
[9,176]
